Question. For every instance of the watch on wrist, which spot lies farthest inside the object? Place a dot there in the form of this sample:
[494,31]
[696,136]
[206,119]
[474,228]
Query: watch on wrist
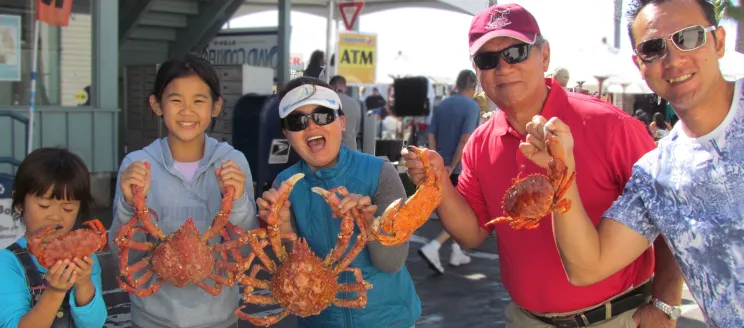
[674,312]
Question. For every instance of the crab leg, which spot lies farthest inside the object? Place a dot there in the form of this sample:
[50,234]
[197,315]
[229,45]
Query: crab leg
[142,292]
[143,213]
[273,219]
[214,290]
[359,244]
[347,223]
[223,215]
[252,238]
[360,287]
[261,321]
[97,227]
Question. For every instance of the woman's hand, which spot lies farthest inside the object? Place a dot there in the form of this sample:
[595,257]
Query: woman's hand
[230,174]
[136,174]
[267,201]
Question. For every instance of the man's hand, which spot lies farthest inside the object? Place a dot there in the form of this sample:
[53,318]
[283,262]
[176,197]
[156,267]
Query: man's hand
[649,316]
[416,167]
[548,139]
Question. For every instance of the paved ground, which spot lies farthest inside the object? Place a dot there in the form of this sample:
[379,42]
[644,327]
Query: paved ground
[470,296]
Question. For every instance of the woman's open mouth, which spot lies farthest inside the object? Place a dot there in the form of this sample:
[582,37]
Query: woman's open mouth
[316,143]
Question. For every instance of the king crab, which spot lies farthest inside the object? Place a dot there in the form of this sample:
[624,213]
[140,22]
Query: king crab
[182,258]
[302,283]
[74,244]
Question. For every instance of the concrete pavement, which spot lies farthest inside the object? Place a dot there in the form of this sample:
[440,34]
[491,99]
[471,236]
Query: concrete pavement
[470,296]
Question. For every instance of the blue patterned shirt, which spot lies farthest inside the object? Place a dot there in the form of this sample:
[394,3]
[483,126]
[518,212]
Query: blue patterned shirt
[691,190]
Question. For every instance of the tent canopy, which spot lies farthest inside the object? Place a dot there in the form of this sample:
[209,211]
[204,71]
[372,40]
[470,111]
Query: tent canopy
[320,7]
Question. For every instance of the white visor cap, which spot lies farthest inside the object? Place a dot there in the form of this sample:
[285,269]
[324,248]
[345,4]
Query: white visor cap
[308,94]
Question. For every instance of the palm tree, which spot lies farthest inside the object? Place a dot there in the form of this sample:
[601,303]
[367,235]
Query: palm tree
[618,21]
[727,10]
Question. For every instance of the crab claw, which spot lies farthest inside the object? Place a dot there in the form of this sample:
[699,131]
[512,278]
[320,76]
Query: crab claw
[36,242]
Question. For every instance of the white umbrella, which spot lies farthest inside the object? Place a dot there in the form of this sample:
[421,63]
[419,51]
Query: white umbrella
[732,65]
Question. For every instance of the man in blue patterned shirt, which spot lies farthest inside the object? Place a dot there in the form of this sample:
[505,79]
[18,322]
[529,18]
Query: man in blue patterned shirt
[691,188]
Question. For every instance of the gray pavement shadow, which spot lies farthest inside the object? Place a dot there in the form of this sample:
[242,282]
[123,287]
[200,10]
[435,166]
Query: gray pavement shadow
[690,323]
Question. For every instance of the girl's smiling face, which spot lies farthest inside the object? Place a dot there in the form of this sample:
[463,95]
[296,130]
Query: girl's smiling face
[44,210]
[317,144]
[187,107]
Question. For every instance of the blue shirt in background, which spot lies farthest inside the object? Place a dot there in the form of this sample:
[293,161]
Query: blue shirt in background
[15,298]
[455,116]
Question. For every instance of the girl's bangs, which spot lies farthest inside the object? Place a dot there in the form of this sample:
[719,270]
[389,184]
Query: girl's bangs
[65,185]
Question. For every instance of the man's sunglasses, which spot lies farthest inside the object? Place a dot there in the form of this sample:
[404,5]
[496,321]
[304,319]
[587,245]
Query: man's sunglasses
[686,39]
[321,116]
[512,55]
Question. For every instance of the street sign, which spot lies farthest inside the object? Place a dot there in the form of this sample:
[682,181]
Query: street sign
[350,12]
[356,57]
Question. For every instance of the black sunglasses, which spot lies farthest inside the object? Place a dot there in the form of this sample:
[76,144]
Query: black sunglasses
[321,116]
[686,39]
[512,55]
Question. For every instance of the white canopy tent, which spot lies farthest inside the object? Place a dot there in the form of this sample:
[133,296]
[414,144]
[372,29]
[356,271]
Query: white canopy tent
[320,7]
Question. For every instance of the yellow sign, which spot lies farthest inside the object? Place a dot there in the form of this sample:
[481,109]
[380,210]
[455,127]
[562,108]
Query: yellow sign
[81,97]
[357,57]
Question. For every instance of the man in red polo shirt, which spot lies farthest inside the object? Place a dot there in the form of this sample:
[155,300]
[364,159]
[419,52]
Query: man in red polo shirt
[511,58]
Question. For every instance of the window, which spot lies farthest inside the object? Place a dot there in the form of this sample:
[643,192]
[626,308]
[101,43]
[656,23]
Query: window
[64,73]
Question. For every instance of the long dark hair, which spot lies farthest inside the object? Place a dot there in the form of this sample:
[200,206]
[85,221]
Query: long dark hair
[316,59]
[659,120]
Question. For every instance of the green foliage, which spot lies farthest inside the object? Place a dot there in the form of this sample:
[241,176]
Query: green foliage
[725,9]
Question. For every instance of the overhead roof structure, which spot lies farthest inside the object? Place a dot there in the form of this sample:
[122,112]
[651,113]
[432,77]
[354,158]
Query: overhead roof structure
[320,7]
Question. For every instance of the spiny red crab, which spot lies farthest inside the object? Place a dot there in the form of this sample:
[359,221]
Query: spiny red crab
[302,283]
[74,244]
[182,258]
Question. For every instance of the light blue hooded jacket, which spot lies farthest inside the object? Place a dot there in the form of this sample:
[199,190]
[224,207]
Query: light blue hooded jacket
[175,199]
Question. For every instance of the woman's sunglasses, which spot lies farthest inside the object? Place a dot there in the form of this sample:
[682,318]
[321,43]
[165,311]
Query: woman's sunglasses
[686,39]
[512,55]
[321,116]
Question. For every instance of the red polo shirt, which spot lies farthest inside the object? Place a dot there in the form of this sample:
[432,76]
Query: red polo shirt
[607,142]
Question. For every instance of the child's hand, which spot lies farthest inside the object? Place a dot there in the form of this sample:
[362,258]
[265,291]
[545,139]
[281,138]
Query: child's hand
[61,277]
[265,203]
[137,174]
[83,269]
[230,174]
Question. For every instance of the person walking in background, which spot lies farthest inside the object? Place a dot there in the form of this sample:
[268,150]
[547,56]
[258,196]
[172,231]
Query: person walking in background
[511,57]
[316,65]
[561,76]
[352,111]
[453,121]
[659,127]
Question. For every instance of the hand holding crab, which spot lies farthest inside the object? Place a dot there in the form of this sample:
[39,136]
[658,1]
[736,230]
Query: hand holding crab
[533,197]
[230,174]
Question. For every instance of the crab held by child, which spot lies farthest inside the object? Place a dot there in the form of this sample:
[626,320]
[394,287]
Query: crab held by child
[74,244]
[401,219]
[535,196]
[302,283]
[183,258]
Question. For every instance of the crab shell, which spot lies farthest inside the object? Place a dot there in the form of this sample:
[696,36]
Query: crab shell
[529,197]
[303,285]
[184,258]
[74,244]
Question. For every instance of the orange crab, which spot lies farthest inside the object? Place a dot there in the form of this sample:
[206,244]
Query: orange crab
[302,284]
[535,196]
[182,258]
[78,243]
[400,220]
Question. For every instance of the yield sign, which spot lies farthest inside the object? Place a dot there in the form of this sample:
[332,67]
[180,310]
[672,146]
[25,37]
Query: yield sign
[350,12]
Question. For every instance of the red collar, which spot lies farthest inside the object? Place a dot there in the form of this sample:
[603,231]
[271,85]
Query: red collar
[557,99]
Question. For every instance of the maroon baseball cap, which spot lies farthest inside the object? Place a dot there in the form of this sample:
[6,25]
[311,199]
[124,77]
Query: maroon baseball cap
[508,19]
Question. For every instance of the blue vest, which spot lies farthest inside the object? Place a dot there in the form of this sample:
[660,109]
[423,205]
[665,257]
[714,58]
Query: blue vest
[392,302]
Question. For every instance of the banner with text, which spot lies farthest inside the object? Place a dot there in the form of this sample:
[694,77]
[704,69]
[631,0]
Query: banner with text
[248,46]
[357,54]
